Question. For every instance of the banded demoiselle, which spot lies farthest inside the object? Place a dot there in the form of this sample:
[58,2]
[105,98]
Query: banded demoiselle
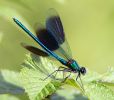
[51,38]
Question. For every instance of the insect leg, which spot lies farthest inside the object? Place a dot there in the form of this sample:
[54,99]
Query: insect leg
[51,74]
[61,67]
[77,77]
[67,70]
[81,85]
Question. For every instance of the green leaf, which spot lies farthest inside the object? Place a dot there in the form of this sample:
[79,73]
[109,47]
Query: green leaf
[37,68]
[90,76]
[10,86]
[108,77]
[72,82]
[96,85]
[32,76]
[98,91]
[9,82]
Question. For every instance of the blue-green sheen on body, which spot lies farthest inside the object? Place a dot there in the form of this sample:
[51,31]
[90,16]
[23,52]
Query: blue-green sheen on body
[74,65]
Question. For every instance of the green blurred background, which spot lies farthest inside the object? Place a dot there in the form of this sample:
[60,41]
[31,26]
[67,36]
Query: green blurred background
[89,28]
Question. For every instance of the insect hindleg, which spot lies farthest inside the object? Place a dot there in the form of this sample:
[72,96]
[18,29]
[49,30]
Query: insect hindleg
[61,67]
[55,72]
[67,70]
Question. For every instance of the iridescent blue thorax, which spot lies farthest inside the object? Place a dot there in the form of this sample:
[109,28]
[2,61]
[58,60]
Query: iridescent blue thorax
[72,64]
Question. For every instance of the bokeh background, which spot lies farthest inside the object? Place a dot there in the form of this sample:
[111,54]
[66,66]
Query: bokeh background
[89,28]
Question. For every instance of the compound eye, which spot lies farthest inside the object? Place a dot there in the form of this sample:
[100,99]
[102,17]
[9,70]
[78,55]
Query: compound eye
[83,70]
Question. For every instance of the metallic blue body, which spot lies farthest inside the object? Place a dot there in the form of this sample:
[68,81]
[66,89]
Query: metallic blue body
[74,65]
[38,41]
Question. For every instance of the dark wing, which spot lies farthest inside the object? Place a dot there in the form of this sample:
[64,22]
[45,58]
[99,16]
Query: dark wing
[52,36]
[34,50]
[46,38]
[55,28]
